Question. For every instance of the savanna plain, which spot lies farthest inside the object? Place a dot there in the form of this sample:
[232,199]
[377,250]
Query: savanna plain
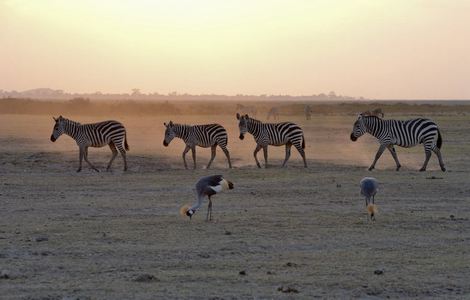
[281,233]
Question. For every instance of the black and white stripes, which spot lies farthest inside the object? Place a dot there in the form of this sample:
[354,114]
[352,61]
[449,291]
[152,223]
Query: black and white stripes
[110,133]
[210,135]
[275,134]
[401,133]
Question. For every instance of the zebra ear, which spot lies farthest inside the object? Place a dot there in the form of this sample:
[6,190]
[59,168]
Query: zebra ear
[165,124]
[246,116]
[55,120]
[171,123]
[238,116]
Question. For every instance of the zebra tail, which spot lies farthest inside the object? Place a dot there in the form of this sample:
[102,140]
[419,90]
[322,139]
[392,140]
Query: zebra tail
[126,146]
[439,139]
[303,142]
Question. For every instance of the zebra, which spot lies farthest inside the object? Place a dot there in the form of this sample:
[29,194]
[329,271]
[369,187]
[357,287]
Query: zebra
[274,113]
[110,133]
[275,134]
[308,112]
[210,135]
[406,134]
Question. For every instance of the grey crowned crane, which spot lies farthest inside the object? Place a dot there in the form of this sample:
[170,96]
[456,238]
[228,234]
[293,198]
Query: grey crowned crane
[369,187]
[206,186]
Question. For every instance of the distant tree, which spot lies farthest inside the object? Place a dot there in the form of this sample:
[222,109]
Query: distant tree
[136,92]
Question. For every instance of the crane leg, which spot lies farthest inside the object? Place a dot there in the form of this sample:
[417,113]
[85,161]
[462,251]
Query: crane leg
[209,211]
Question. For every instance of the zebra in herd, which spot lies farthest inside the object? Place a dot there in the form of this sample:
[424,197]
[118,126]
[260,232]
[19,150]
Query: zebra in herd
[407,134]
[110,133]
[276,134]
[210,135]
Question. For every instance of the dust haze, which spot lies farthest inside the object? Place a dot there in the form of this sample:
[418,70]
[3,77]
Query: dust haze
[281,231]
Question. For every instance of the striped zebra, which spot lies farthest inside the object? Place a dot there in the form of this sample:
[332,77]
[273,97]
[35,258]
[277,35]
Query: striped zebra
[110,133]
[210,135]
[275,134]
[406,134]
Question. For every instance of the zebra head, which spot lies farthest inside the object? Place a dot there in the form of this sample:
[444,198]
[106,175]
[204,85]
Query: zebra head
[359,128]
[58,129]
[169,133]
[243,125]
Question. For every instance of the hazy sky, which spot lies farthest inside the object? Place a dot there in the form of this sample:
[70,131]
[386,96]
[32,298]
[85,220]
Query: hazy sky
[377,48]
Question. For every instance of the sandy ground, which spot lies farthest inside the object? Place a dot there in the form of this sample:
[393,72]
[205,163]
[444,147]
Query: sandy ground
[290,232]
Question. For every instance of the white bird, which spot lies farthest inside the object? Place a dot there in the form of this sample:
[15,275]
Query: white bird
[369,187]
[206,186]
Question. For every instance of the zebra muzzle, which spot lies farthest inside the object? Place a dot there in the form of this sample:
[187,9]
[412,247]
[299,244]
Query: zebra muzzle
[241,136]
[353,138]
[53,139]
[165,144]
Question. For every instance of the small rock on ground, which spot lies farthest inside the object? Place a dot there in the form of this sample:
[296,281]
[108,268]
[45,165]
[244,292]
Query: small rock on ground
[145,278]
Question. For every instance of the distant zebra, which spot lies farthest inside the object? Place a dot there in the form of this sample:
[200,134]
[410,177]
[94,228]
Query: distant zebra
[401,133]
[110,133]
[308,112]
[274,113]
[275,134]
[209,135]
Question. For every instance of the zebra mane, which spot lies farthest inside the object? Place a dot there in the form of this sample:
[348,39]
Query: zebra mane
[182,125]
[374,113]
[371,116]
[255,120]
[71,121]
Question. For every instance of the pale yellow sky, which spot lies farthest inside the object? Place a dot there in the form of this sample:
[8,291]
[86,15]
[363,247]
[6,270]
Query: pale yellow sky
[397,49]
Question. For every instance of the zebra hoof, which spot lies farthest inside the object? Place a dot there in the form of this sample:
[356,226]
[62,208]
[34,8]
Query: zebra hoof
[371,168]
[398,168]
[443,169]
[79,170]
[422,169]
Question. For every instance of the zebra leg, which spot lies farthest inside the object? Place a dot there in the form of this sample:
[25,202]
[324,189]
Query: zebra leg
[227,154]
[184,156]
[80,158]
[258,147]
[193,150]
[439,156]
[123,154]
[394,155]
[377,156]
[426,160]
[213,151]
[302,153]
[115,152]
[85,156]
[265,152]
[288,145]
